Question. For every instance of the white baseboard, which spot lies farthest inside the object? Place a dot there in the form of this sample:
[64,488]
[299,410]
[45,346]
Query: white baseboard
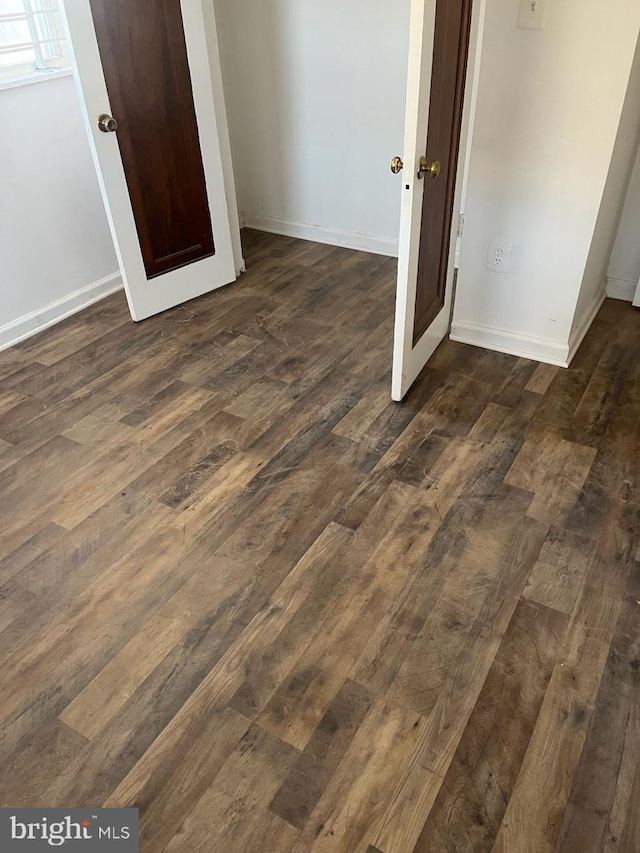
[319,234]
[512,343]
[618,288]
[30,324]
[528,346]
[577,336]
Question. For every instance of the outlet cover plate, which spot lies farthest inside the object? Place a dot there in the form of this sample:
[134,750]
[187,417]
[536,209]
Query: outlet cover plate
[499,255]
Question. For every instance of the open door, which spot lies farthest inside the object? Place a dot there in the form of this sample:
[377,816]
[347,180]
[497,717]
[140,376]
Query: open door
[147,73]
[442,32]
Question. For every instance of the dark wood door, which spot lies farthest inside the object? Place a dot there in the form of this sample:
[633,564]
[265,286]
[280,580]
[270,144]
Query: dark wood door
[450,55]
[145,64]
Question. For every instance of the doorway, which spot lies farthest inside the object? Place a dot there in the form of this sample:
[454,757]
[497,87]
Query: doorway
[315,96]
[316,105]
[297,94]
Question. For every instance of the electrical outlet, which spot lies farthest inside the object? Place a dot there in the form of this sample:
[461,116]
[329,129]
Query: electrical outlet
[499,256]
[532,14]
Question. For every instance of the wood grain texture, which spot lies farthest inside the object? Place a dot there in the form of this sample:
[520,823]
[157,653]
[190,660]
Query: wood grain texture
[472,800]
[243,591]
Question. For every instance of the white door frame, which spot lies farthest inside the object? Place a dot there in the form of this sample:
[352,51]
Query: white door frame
[172,288]
[409,360]
[224,137]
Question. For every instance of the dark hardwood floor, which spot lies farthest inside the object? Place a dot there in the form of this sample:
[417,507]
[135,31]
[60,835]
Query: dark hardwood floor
[244,591]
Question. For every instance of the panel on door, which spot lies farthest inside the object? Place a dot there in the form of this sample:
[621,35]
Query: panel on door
[450,54]
[146,71]
[442,32]
[144,60]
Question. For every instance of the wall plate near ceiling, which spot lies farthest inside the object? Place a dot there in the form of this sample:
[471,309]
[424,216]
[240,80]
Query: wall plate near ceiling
[532,14]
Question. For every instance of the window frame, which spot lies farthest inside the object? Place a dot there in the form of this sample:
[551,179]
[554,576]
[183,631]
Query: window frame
[43,67]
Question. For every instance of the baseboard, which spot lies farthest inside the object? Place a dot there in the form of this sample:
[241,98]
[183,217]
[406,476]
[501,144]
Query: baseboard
[30,324]
[618,288]
[318,234]
[512,343]
[577,336]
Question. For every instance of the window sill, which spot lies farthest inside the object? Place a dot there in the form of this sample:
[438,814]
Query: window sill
[37,77]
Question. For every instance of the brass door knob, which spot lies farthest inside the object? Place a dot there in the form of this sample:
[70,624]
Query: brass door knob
[396,165]
[107,123]
[431,169]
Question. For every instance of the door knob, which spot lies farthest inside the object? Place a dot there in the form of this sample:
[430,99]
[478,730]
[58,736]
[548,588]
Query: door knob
[107,124]
[396,165]
[431,169]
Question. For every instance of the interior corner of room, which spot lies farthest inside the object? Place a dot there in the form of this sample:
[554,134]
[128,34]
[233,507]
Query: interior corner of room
[315,103]
[554,147]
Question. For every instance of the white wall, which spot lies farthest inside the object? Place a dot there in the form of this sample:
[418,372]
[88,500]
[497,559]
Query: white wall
[315,96]
[55,246]
[549,109]
[624,268]
[594,281]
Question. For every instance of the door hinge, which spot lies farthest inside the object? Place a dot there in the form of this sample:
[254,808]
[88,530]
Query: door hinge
[461,225]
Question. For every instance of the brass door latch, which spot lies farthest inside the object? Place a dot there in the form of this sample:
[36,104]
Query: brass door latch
[430,169]
[107,123]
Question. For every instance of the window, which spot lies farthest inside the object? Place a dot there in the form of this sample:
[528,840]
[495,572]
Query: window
[31,38]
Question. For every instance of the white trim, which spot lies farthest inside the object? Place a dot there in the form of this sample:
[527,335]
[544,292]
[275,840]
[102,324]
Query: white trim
[223,135]
[577,336]
[30,324]
[619,288]
[512,343]
[320,234]
[408,360]
[36,77]
[528,346]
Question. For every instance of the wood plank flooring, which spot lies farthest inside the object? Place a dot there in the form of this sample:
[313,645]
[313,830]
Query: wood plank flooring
[245,592]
